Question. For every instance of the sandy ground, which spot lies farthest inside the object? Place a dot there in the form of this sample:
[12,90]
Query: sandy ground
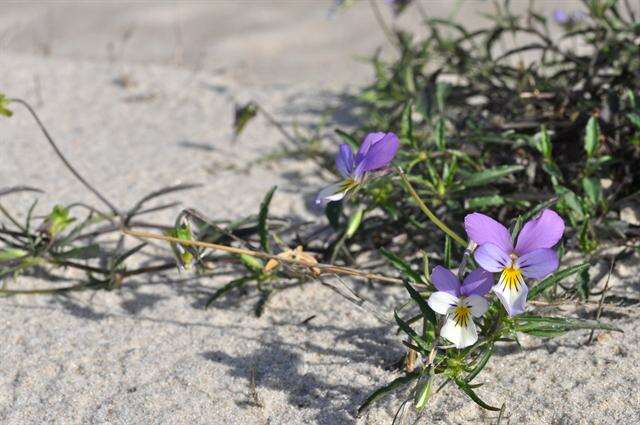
[150,353]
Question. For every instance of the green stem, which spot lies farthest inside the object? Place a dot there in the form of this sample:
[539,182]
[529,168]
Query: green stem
[430,215]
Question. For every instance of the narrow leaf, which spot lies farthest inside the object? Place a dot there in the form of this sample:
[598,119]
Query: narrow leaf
[401,265]
[381,392]
[554,278]
[263,229]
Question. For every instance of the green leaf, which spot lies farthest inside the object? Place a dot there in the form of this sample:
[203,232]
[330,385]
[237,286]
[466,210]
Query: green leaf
[635,119]
[333,212]
[406,123]
[261,304]
[427,312]
[558,276]
[424,392]
[252,263]
[553,170]
[381,392]
[592,137]
[442,92]
[4,101]
[243,115]
[543,142]
[122,257]
[482,202]
[420,342]
[236,283]
[10,254]
[347,138]
[354,222]
[81,253]
[440,134]
[490,175]
[58,220]
[592,189]
[183,254]
[473,396]
[447,252]
[480,363]
[401,265]
[263,229]
[553,326]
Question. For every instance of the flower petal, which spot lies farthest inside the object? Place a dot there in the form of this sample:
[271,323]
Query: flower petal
[379,155]
[369,140]
[483,229]
[479,305]
[345,162]
[461,334]
[542,232]
[335,192]
[539,263]
[444,280]
[478,282]
[512,295]
[492,258]
[441,302]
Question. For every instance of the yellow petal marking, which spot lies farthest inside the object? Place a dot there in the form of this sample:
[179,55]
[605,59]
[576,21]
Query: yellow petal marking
[511,278]
[461,315]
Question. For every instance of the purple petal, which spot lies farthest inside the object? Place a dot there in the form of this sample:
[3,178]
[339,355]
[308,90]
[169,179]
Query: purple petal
[345,163]
[542,232]
[369,140]
[539,263]
[491,258]
[483,229]
[478,282]
[379,154]
[560,16]
[445,281]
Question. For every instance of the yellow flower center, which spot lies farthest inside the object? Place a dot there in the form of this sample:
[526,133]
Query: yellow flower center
[461,315]
[511,277]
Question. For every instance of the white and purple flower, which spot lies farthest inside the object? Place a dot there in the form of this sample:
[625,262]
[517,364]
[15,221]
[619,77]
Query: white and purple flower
[460,303]
[375,154]
[531,257]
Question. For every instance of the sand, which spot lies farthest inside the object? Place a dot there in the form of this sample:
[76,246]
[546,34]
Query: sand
[149,352]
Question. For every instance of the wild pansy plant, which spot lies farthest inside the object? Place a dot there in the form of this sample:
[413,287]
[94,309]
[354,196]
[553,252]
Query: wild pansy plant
[460,303]
[457,347]
[531,256]
[371,160]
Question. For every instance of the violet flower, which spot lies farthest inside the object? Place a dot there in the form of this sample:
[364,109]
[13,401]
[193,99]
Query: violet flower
[375,154]
[460,303]
[532,256]
[568,19]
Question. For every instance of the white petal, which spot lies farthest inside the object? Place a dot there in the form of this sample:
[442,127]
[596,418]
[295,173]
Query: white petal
[512,296]
[334,192]
[460,336]
[441,302]
[479,305]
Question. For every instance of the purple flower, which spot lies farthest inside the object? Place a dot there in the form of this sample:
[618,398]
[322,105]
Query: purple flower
[568,19]
[560,16]
[532,256]
[375,154]
[460,303]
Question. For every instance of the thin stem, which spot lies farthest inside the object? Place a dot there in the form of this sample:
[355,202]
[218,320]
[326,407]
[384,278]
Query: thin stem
[430,215]
[600,303]
[63,158]
[383,25]
[276,124]
[316,269]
